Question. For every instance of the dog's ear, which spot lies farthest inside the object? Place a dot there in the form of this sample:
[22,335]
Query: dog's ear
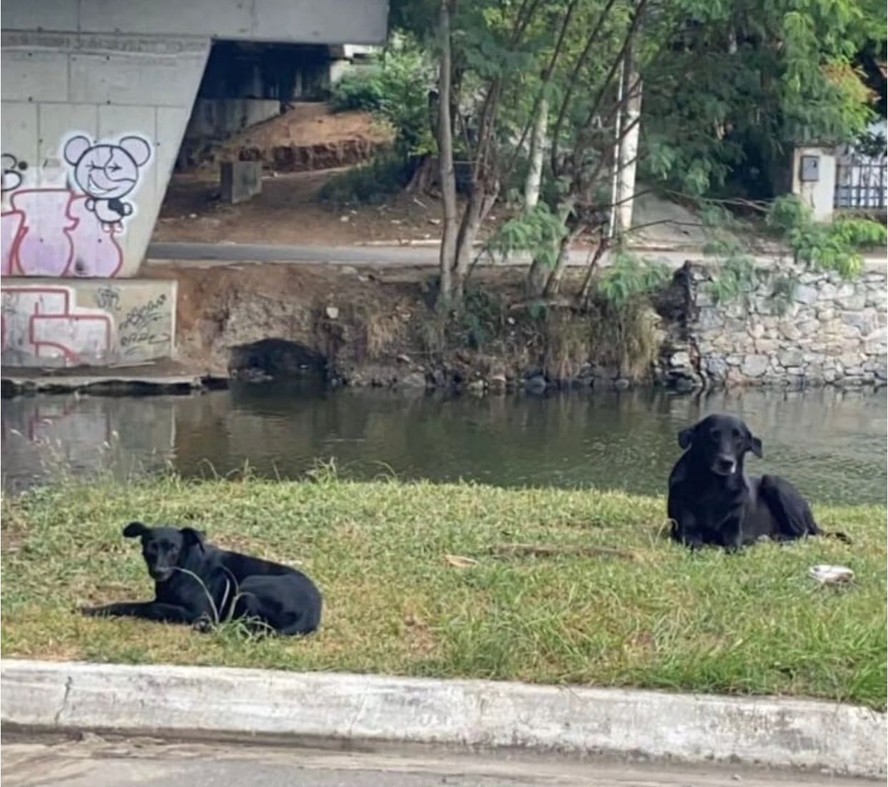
[192,537]
[135,530]
[685,437]
[755,445]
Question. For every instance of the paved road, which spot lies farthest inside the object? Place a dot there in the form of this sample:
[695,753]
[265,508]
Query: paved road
[351,255]
[363,255]
[101,762]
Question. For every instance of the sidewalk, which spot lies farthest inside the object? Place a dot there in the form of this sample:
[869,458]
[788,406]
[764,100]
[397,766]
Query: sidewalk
[366,709]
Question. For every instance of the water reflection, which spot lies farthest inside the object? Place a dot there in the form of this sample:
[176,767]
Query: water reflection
[831,443]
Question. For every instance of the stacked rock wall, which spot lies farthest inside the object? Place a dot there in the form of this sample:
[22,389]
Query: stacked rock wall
[821,330]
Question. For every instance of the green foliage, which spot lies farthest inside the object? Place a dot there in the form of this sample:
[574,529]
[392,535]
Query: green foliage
[358,90]
[819,247]
[625,332]
[538,232]
[630,276]
[736,279]
[831,247]
[824,246]
[739,84]
[788,213]
[860,233]
[481,318]
[729,89]
[368,184]
[395,88]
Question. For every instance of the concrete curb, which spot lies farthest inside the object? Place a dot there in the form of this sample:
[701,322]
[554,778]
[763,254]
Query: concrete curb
[198,700]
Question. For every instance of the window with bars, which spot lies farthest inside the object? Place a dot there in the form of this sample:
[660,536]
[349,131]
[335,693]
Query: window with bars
[861,182]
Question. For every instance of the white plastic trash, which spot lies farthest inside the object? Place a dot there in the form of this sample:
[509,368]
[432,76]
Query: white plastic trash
[831,575]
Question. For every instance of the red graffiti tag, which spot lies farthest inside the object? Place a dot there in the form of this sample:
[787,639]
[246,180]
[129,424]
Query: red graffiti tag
[48,325]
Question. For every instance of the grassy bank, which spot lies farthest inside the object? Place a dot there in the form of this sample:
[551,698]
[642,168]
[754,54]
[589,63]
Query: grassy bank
[463,581]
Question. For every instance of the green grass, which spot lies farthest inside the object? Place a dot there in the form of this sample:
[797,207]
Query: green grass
[607,602]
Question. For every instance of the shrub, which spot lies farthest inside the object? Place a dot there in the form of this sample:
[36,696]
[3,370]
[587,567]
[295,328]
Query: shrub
[369,184]
[396,88]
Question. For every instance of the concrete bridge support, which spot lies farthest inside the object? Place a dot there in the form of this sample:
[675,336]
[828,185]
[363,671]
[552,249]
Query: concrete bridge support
[96,98]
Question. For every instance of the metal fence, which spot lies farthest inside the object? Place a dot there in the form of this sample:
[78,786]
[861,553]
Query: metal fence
[861,182]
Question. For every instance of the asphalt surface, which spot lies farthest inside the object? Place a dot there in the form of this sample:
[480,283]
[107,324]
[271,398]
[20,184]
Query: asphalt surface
[94,761]
[407,255]
[352,255]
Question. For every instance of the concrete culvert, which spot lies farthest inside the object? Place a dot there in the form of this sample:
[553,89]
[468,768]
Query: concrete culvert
[275,358]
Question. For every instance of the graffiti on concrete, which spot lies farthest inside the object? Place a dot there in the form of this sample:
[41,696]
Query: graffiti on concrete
[52,324]
[45,323]
[12,172]
[143,324]
[106,173]
[108,298]
[72,231]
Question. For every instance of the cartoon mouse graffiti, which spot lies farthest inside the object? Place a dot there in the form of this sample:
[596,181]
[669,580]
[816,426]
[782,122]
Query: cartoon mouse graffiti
[107,172]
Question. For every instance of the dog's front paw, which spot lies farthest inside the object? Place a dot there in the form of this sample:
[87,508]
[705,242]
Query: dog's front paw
[92,612]
[203,625]
[692,542]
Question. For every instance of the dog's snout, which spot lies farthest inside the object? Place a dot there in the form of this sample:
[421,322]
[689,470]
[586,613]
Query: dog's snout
[160,573]
[725,464]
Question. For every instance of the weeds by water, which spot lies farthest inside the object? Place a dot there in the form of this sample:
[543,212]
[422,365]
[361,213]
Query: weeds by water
[461,581]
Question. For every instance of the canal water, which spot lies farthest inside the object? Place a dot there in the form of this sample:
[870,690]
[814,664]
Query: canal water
[830,443]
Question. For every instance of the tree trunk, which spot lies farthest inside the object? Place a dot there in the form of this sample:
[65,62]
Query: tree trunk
[480,204]
[537,152]
[628,147]
[423,175]
[554,282]
[536,279]
[536,276]
[586,289]
[445,154]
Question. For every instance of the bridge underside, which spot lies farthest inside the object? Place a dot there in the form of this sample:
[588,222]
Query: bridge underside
[96,99]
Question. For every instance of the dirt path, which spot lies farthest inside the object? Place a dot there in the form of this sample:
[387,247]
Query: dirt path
[288,212]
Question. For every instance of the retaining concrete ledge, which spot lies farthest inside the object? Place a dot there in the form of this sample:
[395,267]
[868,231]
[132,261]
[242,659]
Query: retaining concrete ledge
[121,385]
[774,732]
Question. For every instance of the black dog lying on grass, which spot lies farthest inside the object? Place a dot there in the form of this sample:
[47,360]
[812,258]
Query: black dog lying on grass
[197,583]
[712,500]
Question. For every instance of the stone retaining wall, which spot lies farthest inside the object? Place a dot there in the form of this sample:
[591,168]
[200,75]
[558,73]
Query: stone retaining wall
[824,330]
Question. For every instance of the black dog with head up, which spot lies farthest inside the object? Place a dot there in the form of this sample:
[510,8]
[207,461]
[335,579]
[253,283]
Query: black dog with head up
[195,582]
[713,502]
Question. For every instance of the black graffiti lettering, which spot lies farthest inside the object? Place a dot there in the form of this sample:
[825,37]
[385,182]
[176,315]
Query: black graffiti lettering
[130,343]
[108,298]
[12,169]
[144,316]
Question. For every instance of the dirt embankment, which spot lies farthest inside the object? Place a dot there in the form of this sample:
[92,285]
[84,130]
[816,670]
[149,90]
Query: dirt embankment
[376,326]
[307,137]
